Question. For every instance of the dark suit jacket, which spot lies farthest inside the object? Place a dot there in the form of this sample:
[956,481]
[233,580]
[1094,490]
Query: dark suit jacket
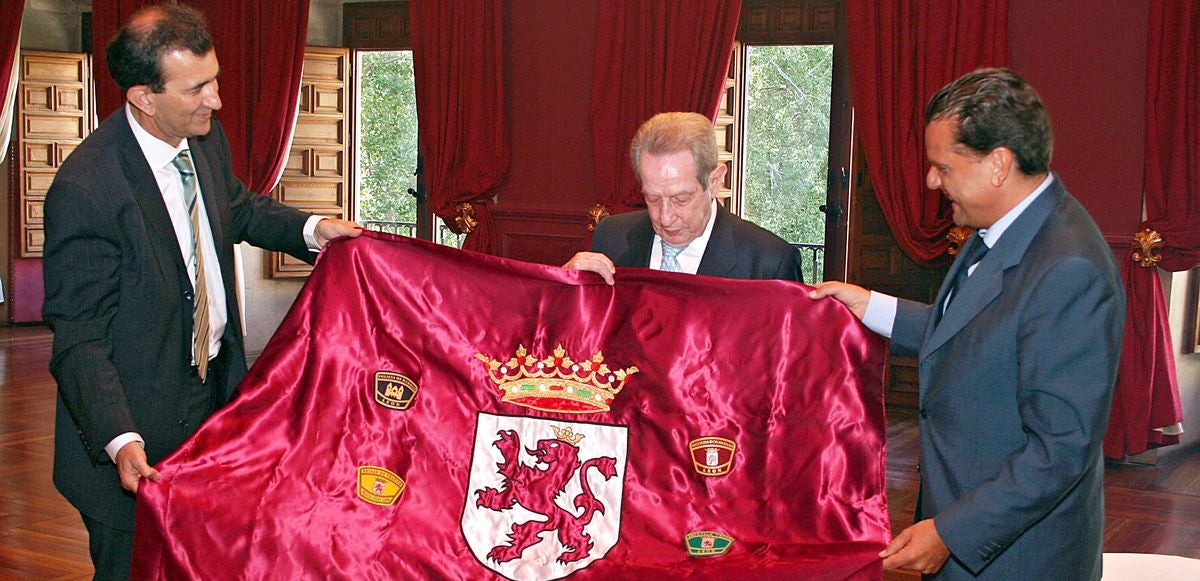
[119,300]
[736,249]
[1015,386]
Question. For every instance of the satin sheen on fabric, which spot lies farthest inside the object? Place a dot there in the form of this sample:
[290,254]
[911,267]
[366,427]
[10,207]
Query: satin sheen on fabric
[267,487]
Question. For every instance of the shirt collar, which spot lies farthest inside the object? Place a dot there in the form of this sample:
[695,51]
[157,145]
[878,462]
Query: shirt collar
[696,247]
[992,234]
[159,154]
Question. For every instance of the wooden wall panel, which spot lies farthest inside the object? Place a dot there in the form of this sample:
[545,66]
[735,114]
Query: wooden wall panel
[317,176]
[53,117]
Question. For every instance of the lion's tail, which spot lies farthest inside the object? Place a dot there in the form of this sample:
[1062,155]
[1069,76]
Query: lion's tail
[586,500]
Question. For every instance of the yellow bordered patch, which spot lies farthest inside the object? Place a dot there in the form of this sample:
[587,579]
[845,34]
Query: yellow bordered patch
[712,456]
[379,485]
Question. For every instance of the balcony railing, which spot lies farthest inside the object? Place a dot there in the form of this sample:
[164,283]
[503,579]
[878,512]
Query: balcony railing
[813,260]
[445,235]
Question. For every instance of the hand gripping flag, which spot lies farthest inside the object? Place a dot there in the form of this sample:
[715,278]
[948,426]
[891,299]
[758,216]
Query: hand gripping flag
[428,413]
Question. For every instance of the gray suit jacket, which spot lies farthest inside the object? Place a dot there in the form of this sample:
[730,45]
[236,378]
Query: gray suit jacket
[1015,386]
[119,300]
[736,249]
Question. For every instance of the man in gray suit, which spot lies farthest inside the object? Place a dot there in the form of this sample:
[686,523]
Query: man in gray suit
[683,228]
[1018,354]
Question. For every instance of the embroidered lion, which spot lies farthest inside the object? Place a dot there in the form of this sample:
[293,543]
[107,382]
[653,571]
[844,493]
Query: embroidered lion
[536,488]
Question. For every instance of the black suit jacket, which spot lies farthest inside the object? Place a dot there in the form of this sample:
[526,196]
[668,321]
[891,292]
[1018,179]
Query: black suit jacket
[119,300]
[736,248]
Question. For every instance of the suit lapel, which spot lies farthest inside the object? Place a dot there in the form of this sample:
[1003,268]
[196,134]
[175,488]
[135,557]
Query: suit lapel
[140,178]
[987,282]
[720,256]
[637,244]
[208,192]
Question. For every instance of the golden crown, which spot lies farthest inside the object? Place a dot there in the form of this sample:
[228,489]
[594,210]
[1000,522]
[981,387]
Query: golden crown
[557,383]
[567,435]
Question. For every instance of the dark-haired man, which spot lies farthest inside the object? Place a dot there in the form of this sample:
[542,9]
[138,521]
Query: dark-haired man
[683,228]
[1018,353]
[140,225]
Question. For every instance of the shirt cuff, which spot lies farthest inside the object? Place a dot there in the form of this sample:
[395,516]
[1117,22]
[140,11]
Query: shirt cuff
[119,442]
[881,314]
[310,232]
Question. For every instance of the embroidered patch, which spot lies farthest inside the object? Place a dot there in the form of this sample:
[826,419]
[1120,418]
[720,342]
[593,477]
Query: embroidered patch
[712,455]
[379,485]
[394,391]
[544,496]
[556,383]
[707,543]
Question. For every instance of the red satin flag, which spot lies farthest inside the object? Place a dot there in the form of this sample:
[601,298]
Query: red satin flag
[429,413]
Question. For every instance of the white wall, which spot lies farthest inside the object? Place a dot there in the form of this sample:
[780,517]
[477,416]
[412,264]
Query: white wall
[1187,365]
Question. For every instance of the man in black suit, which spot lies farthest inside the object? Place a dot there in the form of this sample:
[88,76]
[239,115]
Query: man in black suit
[140,226]
[683,228]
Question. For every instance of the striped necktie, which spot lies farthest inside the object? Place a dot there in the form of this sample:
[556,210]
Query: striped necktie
[200,326]
[670,262]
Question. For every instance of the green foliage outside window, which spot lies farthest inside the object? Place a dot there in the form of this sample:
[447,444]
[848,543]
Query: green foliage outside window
[387,154]
[787,140]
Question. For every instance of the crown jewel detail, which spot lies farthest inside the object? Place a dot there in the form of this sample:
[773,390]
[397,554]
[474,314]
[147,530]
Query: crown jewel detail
[557,383]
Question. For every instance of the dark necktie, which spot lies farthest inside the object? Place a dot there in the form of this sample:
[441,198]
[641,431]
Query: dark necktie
[974,254]
[187,172]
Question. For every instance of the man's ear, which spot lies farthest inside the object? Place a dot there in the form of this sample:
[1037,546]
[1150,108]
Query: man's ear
[717,178]
[1001,160]
[141,98]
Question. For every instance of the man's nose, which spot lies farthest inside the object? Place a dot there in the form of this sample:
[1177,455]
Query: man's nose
[932,180]
[212,99]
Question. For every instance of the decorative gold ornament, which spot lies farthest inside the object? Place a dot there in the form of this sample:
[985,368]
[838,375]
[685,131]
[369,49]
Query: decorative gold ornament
[958,236]
[597,213]
[1147,248]
[465,222]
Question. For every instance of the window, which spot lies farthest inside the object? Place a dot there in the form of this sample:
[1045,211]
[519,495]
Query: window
[387,142]
[786,127]
[785,153]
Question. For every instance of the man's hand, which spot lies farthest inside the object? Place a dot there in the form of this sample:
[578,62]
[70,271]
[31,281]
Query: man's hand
[853,296]
[595,262]
[132,466]
[917,548]
[331,228]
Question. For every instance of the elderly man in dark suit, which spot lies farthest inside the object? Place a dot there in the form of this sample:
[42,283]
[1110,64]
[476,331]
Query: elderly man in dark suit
[1018,353]
[683,228]
[140,226]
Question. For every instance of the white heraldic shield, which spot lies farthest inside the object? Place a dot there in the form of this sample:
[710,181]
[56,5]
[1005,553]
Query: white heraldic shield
[544,496]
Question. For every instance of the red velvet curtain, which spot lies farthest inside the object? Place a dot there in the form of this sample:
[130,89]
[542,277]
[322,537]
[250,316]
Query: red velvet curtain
[10,37]
[651,57]
[458,62]
[107,17]
[902,52]
[260,45]
[1147,396]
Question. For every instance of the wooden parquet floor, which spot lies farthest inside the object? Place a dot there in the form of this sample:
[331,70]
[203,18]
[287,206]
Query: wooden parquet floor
[1149,509]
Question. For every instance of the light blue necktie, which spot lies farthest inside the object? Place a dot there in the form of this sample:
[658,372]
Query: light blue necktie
[670,263]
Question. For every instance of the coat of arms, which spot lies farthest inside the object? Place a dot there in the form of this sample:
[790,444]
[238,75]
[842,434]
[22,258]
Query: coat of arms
[544,497]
